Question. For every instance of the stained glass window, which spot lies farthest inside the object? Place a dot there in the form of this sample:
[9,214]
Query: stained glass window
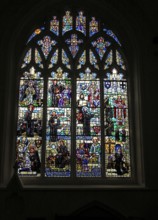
[73,113]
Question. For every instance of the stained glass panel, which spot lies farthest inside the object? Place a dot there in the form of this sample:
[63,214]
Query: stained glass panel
[27,58]
[93,59]
[88,153]
[36,32]
[58,147]
[93,27]
[81,23]
[59,93]
[88,128]
[59,74]
[65,59]
[54,26]
[111,34]
[46,45]
[109,60]
[116,126]
[101,46]
[82,60]
[29,125]
[31,92]
[67,22]
[120,61]
[38,58]
[54,59]
[74,44]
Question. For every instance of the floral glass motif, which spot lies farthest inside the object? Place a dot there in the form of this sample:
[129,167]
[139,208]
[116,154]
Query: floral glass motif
[119,60]
[73,42]
[59,74]
[67,22]
[36,32]
[46,44]
[27,58]
[111,34]
[82,60]
[93,59]
[81,23]
[54,26]
[65,59]
[54,59]
[29,125]
[38,58]
[100,46]
[58,146]
[117,152]
[88,130]
[109,60]
[93,27]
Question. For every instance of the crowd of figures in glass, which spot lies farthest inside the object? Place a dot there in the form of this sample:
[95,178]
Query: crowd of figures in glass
[85,103]
[88,149]
[58,125]
[29,128]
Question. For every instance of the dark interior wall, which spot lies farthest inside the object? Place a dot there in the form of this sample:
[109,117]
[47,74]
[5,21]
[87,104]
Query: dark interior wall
[18,19]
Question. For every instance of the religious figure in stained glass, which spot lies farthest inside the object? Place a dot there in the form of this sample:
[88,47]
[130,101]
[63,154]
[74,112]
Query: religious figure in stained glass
[67,22]
[101,46]
[74,44]
[81,23]
[54,26]
[93,27]
[46,44]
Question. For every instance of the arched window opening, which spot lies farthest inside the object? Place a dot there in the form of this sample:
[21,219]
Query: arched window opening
[73,102]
